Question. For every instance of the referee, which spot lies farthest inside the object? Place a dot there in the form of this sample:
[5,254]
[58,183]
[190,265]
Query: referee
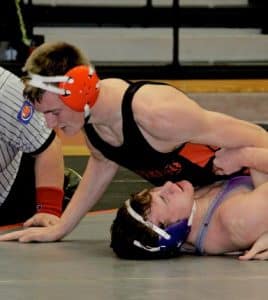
[31,160]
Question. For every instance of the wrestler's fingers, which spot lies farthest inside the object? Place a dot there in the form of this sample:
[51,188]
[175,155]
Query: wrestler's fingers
[250,255]
[259,249]
[29,222]
[53,222]
[261,256]
[24,236]
[48,222]
[41,220]
[245,256]
[29,236]
[11,236]
[218,171]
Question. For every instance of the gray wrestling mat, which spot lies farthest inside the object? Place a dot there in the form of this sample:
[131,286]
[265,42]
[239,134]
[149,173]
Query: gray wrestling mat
[83,266]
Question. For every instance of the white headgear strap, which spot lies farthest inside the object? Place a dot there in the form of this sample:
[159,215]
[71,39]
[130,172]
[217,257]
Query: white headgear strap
[43,82]
[154,227]
[148,224]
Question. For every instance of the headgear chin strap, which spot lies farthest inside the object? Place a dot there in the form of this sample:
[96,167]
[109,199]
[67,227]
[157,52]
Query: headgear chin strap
[169,238]
[78,88]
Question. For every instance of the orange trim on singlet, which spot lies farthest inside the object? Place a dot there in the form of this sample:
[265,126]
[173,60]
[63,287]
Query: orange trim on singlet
[197,153]
[10,227]
[101,212]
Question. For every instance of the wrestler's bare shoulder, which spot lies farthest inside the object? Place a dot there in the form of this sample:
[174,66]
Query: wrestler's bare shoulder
[114,82]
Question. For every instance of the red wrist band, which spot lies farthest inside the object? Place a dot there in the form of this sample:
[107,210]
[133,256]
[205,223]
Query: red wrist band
[49,200]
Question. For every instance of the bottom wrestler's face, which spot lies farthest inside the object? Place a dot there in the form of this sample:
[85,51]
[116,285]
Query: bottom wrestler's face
[171,202]
[58,115]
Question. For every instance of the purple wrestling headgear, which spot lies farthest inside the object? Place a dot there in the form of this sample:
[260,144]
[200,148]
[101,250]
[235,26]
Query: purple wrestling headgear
[169,238]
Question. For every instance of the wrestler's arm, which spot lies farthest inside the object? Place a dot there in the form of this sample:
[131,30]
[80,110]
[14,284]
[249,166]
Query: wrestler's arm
[257,159]
[97,176]
[255,203]
[245,213]
[259,250]
[171,118]
[252,157]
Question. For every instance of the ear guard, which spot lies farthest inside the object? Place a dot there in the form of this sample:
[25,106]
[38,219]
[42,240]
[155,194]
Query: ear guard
[78,88]
[169,238]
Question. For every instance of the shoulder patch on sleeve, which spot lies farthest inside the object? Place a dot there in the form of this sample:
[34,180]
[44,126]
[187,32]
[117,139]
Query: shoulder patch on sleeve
[26,112]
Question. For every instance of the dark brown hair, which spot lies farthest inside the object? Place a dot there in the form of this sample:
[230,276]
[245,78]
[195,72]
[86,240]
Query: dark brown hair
[125,230]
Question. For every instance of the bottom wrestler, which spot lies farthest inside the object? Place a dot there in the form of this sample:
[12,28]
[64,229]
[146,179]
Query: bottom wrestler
[218,219]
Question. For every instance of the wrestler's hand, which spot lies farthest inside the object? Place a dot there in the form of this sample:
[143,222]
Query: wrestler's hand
[227,161]
[34,234]
[42,219]
[259,250]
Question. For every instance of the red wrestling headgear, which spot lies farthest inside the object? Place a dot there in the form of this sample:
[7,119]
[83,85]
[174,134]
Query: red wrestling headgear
[78,88]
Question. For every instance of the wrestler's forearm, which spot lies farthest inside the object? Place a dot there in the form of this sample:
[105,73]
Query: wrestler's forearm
[95,181]
[255,158]
[232,133]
